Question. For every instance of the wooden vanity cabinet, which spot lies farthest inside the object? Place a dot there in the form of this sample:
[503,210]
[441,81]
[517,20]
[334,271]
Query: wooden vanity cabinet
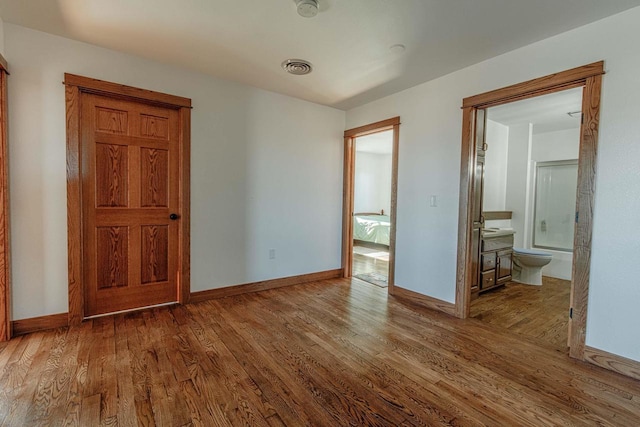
[495,261]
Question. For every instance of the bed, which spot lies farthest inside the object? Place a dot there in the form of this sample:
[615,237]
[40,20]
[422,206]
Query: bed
[372,228]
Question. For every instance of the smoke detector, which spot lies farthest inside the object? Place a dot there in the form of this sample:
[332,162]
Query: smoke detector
[299,67]
[307,8]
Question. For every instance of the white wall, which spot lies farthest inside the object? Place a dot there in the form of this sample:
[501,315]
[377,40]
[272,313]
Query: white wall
[495,167]
[518,181]
[372,186]
[429,163]
[1,37]
[266,171]
[558,145]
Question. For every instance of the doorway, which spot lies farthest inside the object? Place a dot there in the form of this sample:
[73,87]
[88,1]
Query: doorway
[369,206]
[471,219]
[128,191]
[372,204]
[529,195]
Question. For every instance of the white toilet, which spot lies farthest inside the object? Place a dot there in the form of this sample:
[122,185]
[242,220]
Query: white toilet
[527,265]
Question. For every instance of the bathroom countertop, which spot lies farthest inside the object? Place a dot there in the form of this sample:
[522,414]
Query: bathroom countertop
[491,233]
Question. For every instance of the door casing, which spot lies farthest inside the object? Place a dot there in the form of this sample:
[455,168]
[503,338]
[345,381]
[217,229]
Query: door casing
[75,87]
[589,77]
[348,193]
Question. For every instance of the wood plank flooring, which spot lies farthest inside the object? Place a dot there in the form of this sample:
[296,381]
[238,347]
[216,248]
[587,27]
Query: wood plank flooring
[328,353]
[364,264]
[540,312]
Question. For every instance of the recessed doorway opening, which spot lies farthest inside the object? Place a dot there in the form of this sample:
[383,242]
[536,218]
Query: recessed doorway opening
[529,188]
[372,205]
[369,204]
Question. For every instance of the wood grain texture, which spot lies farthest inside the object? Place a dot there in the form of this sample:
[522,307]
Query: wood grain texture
[347,206]
[74,203]
[394,208]
[112,256]
[424,301]
[154,126]
[612,362]
[264,285]
[110,120]
[154,256]
[589,77]
[540,313]
[41,323]
[376,127]
[5,247]
[465,215]
[112,165]
[101,87]
[494,215]
[134,126]
[154,176]
[184,269]
[328,353]
[587,161]
[574,77]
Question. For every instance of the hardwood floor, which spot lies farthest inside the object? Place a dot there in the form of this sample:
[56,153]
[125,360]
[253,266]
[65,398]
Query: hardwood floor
[327,353]
[367,264]
[540,312]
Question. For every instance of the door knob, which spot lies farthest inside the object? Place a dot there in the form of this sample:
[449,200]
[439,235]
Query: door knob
[174,216]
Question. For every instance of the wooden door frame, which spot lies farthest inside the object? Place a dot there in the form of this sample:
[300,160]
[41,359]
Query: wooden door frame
[75,86]
[5,259]
[348,193]
[589,77]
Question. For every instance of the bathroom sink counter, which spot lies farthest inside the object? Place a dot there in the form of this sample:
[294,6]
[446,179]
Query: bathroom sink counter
[490,233]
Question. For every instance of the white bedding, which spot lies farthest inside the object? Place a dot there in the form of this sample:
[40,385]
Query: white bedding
[372,228]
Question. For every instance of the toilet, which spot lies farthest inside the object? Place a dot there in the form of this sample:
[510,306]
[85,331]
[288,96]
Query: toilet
[527,265]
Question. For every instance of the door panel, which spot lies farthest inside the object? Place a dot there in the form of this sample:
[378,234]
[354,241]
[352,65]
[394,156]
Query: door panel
[477,190]
[130,158]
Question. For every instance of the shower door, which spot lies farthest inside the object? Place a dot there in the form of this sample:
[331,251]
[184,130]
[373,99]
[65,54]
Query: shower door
[555,205]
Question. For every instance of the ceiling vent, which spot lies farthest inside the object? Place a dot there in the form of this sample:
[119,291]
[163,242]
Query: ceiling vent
[299,67]
[307,8]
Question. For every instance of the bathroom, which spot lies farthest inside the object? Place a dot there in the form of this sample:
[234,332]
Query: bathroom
[529,192]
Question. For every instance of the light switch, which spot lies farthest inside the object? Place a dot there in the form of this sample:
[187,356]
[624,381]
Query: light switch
[433,201]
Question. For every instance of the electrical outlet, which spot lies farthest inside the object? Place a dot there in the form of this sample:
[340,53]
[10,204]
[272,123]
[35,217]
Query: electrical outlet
[272,254]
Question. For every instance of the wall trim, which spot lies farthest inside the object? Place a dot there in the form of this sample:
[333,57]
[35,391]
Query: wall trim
[5,228]
[612,362]
[424,300]
[40,323]
[264,285]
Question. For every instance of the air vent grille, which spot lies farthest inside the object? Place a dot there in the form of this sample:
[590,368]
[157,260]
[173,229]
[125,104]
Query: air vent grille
[299,67]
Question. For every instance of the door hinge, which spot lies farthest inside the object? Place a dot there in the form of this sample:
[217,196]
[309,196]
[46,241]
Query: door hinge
[571,313]
[485,146]
[577,217]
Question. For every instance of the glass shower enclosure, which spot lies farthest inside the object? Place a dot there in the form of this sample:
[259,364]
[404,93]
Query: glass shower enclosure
[555,205]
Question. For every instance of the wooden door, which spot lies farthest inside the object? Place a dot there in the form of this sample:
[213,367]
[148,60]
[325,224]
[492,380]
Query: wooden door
[130,200]
[478,193]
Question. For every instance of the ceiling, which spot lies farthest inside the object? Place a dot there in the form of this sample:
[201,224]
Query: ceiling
[348,42]
[547,113]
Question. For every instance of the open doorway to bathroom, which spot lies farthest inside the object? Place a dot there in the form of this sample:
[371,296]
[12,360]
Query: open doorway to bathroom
[471,264]
[529,204]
